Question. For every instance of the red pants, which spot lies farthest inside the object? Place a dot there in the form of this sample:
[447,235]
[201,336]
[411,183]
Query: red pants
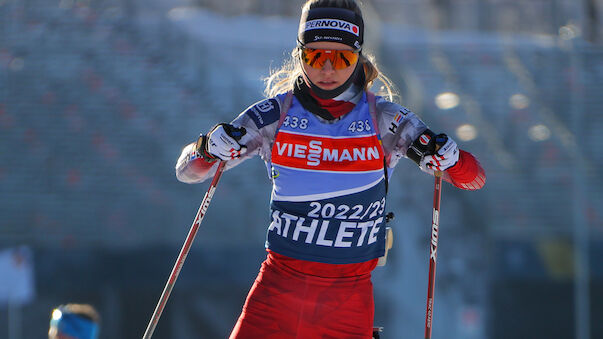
[284,303]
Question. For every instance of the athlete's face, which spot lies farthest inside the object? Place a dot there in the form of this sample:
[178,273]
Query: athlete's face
[328,77]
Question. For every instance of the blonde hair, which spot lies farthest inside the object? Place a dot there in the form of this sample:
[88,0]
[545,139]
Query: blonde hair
[283,79]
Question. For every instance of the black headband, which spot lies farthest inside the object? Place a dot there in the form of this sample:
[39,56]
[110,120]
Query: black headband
[331,24]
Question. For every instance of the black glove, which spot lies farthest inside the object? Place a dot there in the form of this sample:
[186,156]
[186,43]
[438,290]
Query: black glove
[428,143]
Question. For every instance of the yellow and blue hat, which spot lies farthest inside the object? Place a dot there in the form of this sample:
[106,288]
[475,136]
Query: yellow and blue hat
[74,325]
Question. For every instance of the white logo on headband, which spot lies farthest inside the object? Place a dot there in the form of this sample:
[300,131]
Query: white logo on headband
[332,24]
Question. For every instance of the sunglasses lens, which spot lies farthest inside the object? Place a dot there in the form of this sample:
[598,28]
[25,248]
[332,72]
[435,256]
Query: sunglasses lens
[313,57]
[339,59]
[345,59]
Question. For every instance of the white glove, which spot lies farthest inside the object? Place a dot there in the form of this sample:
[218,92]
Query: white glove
[222,142]
[444,158]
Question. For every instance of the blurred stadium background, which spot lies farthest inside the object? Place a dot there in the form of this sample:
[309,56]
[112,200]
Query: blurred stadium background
[98,97]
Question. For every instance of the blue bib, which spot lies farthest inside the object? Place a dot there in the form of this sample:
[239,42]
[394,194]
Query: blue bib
[328,196]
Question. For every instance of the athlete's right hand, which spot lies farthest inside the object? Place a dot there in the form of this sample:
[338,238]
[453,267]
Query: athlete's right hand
[222,142]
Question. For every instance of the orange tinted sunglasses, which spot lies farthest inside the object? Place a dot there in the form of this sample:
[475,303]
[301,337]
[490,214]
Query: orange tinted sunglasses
[339,58]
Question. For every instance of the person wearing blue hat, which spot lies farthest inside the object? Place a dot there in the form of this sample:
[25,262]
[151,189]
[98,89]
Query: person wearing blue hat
[74,321]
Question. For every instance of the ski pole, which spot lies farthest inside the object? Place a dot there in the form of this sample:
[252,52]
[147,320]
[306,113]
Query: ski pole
[184,252]
[435,222]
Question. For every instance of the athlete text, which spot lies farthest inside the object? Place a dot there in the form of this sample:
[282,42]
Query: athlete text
[348,233]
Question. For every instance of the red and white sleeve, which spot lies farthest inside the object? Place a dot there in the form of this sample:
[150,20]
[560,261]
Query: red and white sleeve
[193,168]
[467,173]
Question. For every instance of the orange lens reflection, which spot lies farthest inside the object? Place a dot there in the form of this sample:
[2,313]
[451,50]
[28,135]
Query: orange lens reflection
[340,59]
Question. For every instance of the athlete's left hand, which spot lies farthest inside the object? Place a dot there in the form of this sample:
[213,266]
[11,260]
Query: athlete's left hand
[446,155]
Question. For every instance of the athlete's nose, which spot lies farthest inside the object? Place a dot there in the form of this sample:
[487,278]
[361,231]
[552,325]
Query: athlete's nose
[328,67]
